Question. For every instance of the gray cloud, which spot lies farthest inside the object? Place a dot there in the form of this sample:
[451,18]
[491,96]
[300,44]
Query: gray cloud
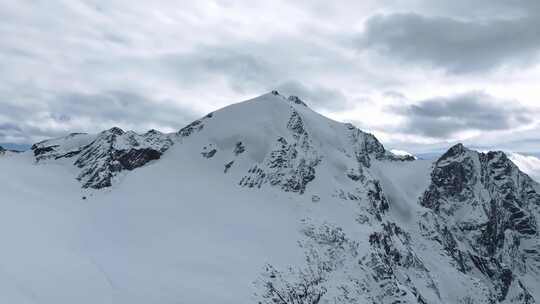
[5,127]
[444,117]
[205,54]
[315,96]
[241,69]
[482,9]
[257,67]
[124,108]
[70,112]
[457,46]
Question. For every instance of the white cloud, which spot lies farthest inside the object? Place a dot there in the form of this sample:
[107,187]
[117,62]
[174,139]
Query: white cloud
[200,55]
[527,163]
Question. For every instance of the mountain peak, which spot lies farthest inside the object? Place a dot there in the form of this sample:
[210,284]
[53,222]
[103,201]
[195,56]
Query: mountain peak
[377,226]
[115,131]
[456,151]
[292,98]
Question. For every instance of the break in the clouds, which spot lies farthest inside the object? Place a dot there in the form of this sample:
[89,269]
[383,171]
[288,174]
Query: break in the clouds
[442,117]
[89,65]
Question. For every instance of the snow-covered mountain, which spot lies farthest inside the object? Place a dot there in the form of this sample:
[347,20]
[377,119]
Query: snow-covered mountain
[264,201]
[4,151]
[101,157]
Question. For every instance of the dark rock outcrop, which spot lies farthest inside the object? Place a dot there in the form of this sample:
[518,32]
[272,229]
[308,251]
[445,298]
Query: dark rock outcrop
[102,157]
[483,211]
[291,164]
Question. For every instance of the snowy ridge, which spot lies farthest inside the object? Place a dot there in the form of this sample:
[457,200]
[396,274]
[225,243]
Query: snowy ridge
[101,157]
[290,162]
[267,191]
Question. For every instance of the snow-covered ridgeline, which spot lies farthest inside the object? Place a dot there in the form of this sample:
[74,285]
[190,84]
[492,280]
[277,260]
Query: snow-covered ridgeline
[198,215]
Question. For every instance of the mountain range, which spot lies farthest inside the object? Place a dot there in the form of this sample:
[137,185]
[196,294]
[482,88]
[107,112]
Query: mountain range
[264,201]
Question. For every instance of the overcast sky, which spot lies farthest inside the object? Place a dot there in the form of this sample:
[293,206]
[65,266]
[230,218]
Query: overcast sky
[419,74]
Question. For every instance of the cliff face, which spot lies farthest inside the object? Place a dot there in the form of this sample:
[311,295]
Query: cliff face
[483,212]
[102,157]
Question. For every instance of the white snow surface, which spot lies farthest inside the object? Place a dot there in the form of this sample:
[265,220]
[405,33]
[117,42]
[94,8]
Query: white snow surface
[167,234]
[180,229]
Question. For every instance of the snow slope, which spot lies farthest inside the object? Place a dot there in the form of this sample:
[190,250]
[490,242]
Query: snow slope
[256,200]
[151,239]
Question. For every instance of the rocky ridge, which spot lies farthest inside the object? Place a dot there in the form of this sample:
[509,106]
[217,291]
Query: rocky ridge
[100,158]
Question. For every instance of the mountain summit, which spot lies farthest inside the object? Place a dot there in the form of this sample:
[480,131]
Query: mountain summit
[264,201]
[274,127]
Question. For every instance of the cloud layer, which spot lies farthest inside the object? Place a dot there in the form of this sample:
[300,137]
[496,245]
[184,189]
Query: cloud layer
[443,117]
[454,45]
[88,65]
[77,112]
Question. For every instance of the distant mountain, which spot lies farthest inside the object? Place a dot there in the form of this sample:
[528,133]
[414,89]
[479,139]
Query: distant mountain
[15,147]
[5,151]
[100,158]
[264,201]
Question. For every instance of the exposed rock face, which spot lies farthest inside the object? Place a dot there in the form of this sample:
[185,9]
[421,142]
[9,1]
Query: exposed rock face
[297,100]
[102,157]
[291,164]
[194,127]
[239,148]
[64,147]
[115,150]
[395,264]
[484,212]
[480,215]
[293,161]
[367,147]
